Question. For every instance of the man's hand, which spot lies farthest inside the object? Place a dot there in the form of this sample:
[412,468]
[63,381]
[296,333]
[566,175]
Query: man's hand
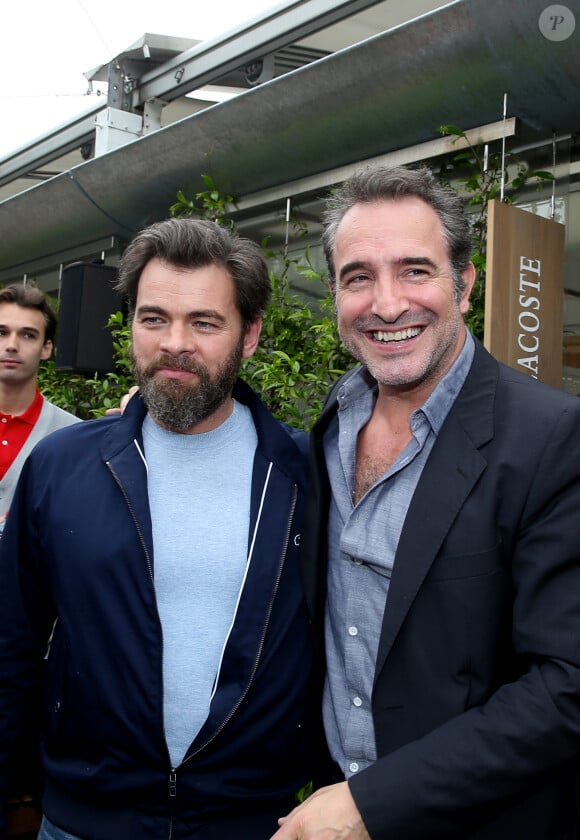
[329,814]
[124,400]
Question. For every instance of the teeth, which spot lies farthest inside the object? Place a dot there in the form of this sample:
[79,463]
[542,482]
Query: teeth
[400,335]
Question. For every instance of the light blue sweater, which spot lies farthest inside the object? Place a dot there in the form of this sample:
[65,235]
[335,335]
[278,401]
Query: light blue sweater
[199,495]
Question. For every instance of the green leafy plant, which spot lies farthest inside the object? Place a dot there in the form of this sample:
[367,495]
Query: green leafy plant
[480,174]
[90,396]
[207,204]
[300,353]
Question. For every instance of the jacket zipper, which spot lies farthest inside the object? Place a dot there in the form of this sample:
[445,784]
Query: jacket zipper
[173,774]
[135,520]
[173,771]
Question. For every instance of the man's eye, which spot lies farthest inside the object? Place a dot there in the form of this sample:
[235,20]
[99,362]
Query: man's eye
[357,280]
[416,273]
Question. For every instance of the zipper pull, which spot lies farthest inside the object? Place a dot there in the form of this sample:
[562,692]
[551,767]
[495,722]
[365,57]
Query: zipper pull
[173,784]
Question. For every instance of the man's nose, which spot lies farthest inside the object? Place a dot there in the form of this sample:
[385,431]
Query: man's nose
[178,339]
[11,342]
[389,298]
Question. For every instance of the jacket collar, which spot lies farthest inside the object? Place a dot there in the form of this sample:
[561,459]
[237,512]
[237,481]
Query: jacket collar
[454,466]
[450,474]
[276,441]
[473,406]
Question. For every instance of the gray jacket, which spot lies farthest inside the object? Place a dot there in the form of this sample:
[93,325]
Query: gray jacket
[49,420]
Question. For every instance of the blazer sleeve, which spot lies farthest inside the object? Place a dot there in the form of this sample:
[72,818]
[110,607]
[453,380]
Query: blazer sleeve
[450,779]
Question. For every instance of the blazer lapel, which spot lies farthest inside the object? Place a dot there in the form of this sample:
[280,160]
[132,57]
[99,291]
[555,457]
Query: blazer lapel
[454,466]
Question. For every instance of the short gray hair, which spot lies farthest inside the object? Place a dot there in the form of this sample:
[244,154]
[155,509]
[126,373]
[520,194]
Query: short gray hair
[374,184]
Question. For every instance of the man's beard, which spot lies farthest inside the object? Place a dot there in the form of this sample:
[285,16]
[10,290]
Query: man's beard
[178,405]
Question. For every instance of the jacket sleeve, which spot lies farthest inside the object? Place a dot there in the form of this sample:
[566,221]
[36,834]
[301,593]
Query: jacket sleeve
[450,780]
[26,618]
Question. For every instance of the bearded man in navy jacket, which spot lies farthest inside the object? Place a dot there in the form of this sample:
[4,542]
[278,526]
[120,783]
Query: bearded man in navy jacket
[442,547]
[151,602]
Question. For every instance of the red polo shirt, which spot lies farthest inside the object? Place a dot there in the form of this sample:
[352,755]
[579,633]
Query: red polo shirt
[14,430]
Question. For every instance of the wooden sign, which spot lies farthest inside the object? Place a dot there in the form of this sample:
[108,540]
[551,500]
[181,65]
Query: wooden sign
[524,291]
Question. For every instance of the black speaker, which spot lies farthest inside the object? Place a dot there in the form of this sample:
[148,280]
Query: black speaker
[87,300]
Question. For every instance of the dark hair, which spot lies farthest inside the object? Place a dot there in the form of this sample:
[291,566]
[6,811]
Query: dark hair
[194,243]
[29,296]
[375,184]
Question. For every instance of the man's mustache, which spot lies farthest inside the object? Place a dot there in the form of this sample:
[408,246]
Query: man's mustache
[166,360]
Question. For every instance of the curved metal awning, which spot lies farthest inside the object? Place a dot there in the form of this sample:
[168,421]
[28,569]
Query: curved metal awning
[389,92]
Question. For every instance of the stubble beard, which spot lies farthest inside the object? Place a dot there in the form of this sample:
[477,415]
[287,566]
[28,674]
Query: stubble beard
[396,373]
[180,406]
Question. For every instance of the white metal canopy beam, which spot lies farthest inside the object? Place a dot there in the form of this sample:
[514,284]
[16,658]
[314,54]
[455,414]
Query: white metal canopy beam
[401,157]
[191,70]
[210,59]
[48,147]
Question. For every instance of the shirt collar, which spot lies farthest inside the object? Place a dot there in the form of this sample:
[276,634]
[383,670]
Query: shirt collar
[437,405]
[29,416]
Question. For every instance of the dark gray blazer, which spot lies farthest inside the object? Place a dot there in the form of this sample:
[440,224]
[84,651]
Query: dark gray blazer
[476,701]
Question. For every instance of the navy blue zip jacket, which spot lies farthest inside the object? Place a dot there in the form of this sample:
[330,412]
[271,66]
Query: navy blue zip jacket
[80,639]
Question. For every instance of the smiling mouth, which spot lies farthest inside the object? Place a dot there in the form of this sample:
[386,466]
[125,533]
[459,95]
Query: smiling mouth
[384,337]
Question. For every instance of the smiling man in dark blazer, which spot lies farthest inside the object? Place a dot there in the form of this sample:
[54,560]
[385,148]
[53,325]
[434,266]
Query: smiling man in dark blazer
[442,548]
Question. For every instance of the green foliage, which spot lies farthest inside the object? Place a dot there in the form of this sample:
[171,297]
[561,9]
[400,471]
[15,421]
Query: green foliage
[480,173]
[298,357]
[207,204]
[300,353]
[90,397]
[304,792]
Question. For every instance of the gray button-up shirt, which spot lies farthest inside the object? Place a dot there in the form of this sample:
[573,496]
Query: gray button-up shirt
[363,542]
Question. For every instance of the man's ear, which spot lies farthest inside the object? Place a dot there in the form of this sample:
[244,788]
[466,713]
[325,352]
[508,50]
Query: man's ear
[251,338]
[46,351]
[469,279]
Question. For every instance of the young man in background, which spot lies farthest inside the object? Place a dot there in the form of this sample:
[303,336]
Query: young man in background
[27,330]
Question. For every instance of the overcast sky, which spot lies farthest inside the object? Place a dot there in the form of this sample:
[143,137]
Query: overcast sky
[46,47]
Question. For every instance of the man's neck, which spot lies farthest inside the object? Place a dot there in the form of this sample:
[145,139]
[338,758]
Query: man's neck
[15,400]
[396,406]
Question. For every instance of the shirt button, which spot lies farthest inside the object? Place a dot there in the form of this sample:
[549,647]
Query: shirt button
[356,561]
[353,631]
[353,767]
[4,420]
[357,701]
[4,443]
